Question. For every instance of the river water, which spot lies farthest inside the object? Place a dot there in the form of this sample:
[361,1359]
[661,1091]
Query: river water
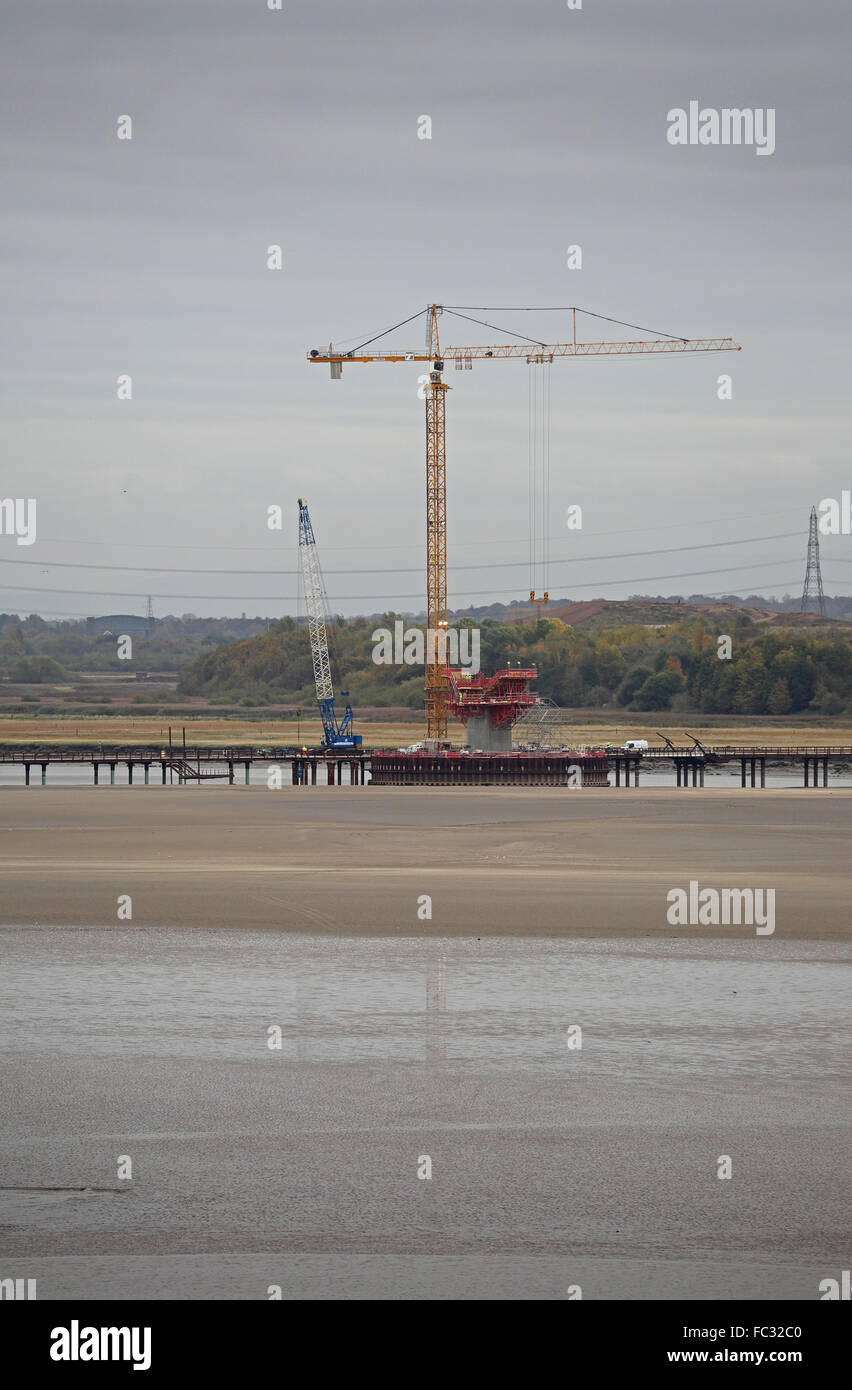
[81,775]
[278,1095]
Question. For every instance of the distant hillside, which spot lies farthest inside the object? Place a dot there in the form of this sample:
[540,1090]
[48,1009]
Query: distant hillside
[614,613]
[88,645]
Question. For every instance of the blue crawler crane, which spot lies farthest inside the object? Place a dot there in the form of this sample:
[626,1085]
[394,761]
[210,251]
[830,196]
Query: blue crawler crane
[336,733]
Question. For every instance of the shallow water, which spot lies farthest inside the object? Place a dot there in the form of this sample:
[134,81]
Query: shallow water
[297,1165]
[81,775]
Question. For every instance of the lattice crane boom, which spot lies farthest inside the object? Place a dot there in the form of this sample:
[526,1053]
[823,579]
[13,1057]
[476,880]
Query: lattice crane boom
[336,734]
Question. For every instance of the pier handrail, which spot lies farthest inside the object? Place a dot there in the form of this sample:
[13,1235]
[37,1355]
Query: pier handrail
[158,752]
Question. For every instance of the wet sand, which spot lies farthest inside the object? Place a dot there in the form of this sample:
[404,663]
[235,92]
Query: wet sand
[297,1165]
[402,1035]
[543,862]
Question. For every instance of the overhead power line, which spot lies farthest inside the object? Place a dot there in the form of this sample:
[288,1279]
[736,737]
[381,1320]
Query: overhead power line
[382,598]
[712,593]
[496,542]
[413,569]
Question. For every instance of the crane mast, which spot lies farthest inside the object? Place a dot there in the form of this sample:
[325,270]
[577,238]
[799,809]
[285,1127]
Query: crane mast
[436,531]
[335,734]
[529,350]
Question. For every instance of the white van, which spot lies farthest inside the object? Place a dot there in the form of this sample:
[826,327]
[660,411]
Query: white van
[635,745]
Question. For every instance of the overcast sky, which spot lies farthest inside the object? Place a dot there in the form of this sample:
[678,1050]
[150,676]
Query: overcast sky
[253,127]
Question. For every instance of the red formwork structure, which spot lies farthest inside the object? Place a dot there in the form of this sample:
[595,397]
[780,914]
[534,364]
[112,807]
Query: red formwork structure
[502,697]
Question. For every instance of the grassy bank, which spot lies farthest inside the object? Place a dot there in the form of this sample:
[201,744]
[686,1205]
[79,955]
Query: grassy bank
[587,727]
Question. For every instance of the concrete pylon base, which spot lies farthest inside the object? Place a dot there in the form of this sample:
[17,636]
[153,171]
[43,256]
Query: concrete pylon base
[481,735]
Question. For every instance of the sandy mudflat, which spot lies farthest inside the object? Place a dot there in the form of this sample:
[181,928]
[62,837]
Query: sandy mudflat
[297,1165]
[538,862]
[398,1037]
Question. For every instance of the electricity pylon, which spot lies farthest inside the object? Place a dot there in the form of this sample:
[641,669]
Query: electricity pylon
[813,575]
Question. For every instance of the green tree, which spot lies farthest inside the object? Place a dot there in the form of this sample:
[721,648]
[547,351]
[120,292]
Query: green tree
[751,679]
[657,691]
[779,701]
[37,670]
[632,683]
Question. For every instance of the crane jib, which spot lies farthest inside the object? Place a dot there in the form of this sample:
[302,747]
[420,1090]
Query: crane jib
[525,352]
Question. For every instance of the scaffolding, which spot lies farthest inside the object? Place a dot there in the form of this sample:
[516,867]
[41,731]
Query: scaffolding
[542,725]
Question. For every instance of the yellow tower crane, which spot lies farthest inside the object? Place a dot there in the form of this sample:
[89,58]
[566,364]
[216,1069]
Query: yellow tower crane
[530,351]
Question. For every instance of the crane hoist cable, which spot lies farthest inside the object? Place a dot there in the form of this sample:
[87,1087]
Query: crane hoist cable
[538,444]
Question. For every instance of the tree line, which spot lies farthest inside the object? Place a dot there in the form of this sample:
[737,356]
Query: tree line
[690,666]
